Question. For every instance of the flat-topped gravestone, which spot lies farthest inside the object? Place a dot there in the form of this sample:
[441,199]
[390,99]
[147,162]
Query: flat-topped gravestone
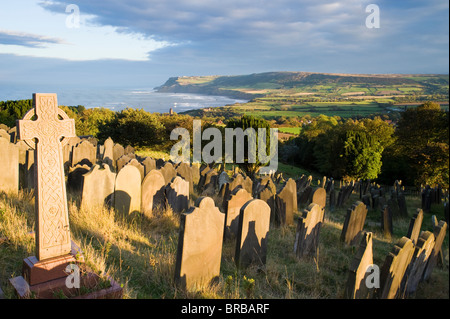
[177,194]
[233,207]
[286,203]
[98,187]
[252,235]
[200,241]
[308,230]
[9,166]
[356,287]
[414,226]
[52,220]
[153,192]
[354,223]
[394,268]
[127,191]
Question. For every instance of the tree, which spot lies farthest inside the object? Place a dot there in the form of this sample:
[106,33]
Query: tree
[423,141]
[137,128]
[250,166]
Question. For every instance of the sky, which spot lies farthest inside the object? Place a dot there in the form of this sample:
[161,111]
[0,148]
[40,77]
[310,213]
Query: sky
[141,43]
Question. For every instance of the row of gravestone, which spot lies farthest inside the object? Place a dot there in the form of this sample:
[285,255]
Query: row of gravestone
[411,261]
[128,192]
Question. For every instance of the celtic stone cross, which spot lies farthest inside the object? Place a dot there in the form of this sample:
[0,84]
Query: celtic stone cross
[46,128]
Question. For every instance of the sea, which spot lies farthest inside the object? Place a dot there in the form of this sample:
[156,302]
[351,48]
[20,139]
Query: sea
[118,99]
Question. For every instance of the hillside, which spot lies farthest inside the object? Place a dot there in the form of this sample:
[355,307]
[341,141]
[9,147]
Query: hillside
[261,84]
[288,94]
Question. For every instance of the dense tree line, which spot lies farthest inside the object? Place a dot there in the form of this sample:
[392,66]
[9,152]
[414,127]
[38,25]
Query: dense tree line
[415,149]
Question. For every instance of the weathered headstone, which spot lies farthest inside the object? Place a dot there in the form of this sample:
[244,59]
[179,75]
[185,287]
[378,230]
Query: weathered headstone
[354,223]
[268,195]
[422,253]
[356,287]
[185,171]
[75,178]
[139,166]
[308,230]
[149,164]
[394,268]
[98,187]
[52,219]
[415,225]
[252,235]
[118,152]
[108,154]
[199,249]
[122,161]
[153,192]
[238,198]
[168,172]
[439,232]
[286,203]
[9,167]
[127,191]
[177,194]
[319,196]
[84,153]
[386,222]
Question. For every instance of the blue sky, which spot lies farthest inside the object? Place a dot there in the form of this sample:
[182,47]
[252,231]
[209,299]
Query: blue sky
[143,42]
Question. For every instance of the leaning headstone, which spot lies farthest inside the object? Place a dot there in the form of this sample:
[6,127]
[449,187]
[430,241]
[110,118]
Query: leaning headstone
[394,268]
[354,223]
[199,249]
[127,191]
[122,161]
[233,207]
[422,253]
[98,187]
[177,194]
[252,236]
[439,232]
[308,230]
[286,203]
[356,287]
[9,166]
[153,192]
[401,201]
[414,226]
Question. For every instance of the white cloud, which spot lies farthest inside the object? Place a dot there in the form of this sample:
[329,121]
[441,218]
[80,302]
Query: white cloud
[35,29]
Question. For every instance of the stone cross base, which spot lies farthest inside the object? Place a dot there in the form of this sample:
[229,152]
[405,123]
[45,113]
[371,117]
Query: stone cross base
[47,279]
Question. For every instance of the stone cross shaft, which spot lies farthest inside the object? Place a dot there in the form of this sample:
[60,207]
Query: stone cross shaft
[49,125]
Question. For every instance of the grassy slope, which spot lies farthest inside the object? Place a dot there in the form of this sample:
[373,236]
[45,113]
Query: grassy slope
[139,252]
